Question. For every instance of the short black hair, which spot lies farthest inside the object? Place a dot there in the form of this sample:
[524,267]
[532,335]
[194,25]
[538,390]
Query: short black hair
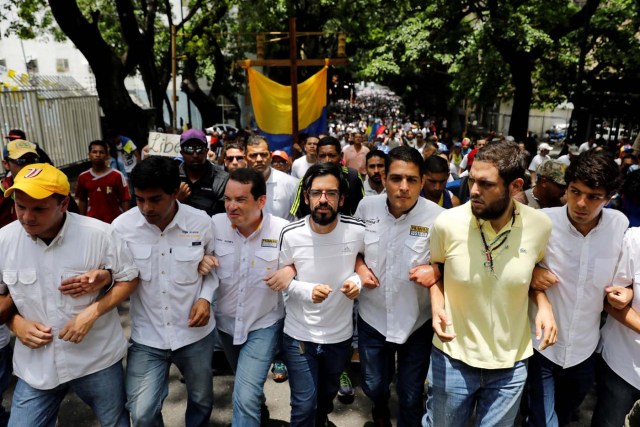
[330,140]
[238,145]
[436,164]
[250,176]
[256,140]
[101,143]
[507,157]
[323,169]
[596,169]
[156,172]
[631,184]
[376,153]
[406,154]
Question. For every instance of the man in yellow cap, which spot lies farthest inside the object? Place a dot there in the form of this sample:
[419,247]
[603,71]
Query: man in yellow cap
[69,333]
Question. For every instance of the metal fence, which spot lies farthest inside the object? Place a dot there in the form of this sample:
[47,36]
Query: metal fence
[55,112]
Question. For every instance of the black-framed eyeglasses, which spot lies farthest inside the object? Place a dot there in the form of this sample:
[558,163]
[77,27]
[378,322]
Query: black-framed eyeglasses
[25,161]
[192,150]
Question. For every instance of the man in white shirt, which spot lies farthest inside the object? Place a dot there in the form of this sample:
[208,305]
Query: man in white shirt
[579,264]
[281,188]
[374,184]
[394,311]
[171,309]
[71,340]
[300,165]
[249,315]
[322,247]
[588,145]
[543,150]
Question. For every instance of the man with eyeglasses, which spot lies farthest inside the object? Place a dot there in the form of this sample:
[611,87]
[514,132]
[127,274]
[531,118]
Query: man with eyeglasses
[203,183]
[329,151]
[318,326]
[576,274]
[281,188]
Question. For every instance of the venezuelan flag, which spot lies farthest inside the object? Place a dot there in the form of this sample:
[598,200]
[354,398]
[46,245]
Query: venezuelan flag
[272,107]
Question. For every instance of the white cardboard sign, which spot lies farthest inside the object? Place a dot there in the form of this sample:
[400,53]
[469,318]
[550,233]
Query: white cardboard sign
[164,144]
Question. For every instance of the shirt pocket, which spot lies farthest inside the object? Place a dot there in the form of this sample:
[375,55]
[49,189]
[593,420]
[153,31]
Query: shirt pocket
[414,252]
[21,284]
[225,254]
[186,260]
[371,249]
[70,304]
[142,257]
[264,263]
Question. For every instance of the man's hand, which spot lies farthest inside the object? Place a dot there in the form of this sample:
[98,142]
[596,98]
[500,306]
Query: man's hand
[281,279]
[208,263]
[184,192]
[546,328]
[87,283]
[440,322]
[200,312]
[618,296]
[367,277]
[350,290]
[79,325]
[31,334]
[320,293]
[424,275]
[542,279]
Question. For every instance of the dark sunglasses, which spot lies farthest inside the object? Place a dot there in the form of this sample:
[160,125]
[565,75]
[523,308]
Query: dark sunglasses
[191,150]
[236,158]
[24,162]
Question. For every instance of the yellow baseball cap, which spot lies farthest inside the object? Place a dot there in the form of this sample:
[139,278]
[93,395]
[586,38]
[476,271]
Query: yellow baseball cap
[40,180]
[18,148]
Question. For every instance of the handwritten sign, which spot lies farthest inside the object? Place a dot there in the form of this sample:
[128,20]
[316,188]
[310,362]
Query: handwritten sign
[164,144]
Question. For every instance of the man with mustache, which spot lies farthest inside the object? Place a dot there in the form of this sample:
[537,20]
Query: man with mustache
[318,326]
[488,248]
[374,184]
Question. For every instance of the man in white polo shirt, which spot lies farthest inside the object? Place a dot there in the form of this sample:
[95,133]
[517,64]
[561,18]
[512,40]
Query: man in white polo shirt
[394,311]
[318,326]
[249,315]
[281,188]
[171,309]
[581,256]
[65,342]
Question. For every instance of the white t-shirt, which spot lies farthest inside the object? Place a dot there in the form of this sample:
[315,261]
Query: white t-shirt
[537,161]
[299,167]
[327,259]
[281,192]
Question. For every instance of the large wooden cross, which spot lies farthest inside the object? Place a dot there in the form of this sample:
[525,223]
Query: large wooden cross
[293,63]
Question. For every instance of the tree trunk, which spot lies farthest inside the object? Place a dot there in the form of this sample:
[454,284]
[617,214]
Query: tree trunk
[521,70]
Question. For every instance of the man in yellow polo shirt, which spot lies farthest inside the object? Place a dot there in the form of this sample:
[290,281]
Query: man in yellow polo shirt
[489,247]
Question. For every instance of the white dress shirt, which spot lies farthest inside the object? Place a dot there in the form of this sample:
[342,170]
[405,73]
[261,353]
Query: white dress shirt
[392,247]
[585,266]
[32,271]
[169,280]
[281,192]
[245,302]
[300,167]
[620,344]
[327,259]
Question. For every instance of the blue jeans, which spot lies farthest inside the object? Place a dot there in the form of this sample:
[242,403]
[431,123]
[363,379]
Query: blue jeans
[250,363]
[615,397]
[555,393]
[102,390]
[378,366]
[455,388]
[314,377]
[148,381]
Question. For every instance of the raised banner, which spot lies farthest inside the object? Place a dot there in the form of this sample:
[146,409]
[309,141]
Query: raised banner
[164,144]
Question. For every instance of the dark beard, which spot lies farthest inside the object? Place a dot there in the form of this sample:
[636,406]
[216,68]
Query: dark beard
[493,210]
[323,219]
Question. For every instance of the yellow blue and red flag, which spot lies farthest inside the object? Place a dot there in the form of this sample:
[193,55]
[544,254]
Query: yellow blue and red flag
[272,107]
